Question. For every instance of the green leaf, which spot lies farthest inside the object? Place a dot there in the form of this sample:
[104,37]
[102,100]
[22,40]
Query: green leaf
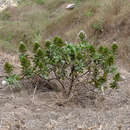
[82,36]
[106,51]
[22,48]
[110,60]
[92,49]
[71,50]
[96,57]
[25,62]
[101,49]
[48,43]
[113,69]
[36,46]
[40,53]
[8,68]
[102,80]
[12,79]
[116,77]
[58,42]
[113,85]
[114,48]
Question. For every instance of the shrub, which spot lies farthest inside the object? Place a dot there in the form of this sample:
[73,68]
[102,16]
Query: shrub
[97,26]
[68,63]
[10,77]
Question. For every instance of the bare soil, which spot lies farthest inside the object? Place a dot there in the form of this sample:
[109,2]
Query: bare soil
[48,110]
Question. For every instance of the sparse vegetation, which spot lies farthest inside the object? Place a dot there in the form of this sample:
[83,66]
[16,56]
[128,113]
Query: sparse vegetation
[99,19]
[40,1]
[67,83]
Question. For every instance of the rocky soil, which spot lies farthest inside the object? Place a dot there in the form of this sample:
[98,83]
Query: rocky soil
[21,110]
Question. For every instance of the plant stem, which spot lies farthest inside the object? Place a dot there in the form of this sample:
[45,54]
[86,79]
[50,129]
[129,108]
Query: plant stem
[72,79]
[58,79]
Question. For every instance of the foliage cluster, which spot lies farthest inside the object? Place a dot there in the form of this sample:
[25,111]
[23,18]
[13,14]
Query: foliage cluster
[68,63]
[40,1]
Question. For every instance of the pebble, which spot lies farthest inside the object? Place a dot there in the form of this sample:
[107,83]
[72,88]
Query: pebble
[70,6]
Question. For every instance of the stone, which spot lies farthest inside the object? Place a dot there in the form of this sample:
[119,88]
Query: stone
[4,83]
[123,77]
[70,6]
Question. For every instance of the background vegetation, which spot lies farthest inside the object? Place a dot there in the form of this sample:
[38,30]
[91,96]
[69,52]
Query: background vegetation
[103,21]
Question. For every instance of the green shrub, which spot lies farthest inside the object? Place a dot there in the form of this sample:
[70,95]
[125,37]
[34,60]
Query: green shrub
[10,77]
[97,26]
[89,14]
[68,63]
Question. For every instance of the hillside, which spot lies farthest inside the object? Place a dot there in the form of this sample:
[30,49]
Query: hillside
[105,22]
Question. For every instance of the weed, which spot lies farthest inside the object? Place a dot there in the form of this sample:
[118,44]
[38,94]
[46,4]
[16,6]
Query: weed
[97,26]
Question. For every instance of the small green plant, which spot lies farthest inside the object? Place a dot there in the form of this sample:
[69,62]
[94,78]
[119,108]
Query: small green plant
[89,14]
[97,26]
[77,2]
[40,1]
[8,68]
[68,63]
[10,77]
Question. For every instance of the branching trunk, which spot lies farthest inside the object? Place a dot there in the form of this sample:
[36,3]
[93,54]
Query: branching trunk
[58,79]
[72,79]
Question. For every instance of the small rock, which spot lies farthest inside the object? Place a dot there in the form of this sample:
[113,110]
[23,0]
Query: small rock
[51,125]
[123,77]
[53,115]
[80,127]
[4,83]
[70,6]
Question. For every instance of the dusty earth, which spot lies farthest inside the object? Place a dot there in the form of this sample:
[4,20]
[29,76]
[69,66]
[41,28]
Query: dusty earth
[20,110]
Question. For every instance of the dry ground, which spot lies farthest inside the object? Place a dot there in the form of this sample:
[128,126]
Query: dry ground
[107,22]
[20,110]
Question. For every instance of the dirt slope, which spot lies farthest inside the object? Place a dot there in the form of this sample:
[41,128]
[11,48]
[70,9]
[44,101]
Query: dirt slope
[19,110]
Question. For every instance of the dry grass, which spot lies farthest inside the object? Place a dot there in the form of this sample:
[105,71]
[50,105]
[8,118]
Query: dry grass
[43,114]
[103,21]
